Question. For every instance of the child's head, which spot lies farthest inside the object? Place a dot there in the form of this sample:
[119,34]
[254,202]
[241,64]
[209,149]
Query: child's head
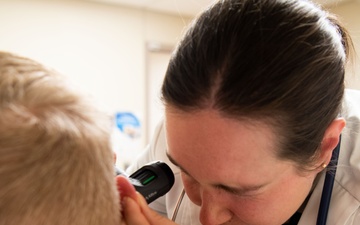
[56,162]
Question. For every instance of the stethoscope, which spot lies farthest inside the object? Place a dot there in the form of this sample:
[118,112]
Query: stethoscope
[325,196]
[328,186]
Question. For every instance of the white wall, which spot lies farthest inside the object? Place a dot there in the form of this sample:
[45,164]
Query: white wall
[97,46]
[102,48]
[348,13]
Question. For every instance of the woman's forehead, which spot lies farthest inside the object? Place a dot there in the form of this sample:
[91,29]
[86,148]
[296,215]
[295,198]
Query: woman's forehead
[204,141]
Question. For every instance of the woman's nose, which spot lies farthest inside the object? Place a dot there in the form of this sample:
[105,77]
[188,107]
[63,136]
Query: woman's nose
[213,211]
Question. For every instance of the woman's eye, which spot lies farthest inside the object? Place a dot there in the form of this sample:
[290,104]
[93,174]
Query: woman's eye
[187,177]
[185,174]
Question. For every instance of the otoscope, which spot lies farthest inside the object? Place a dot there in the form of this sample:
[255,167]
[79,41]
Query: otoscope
[152,180]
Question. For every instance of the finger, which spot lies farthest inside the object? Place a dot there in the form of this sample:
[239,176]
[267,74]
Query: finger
[152,216]
[135,209]
[132,214]
[125,188]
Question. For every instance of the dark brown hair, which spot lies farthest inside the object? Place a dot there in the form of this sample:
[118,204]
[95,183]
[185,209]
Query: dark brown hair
[276,61]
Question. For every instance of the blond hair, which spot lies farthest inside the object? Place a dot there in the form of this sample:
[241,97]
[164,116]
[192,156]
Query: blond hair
[56,163]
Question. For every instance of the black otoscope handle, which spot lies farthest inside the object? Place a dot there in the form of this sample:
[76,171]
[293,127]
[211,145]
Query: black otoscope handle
[152,180]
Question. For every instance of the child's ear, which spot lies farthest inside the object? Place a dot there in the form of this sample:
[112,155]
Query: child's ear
[114,157]
[330,140]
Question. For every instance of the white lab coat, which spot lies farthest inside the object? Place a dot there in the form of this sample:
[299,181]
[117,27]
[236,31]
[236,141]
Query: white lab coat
[345,201]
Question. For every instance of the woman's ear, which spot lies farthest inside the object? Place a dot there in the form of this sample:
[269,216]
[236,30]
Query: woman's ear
[330,140]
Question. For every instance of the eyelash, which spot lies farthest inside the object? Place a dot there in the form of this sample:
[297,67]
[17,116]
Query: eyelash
[186,174]
[250,194]
[188,177]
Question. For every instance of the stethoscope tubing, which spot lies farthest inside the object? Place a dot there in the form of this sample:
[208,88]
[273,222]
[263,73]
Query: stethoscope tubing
[328,186]
[177,207]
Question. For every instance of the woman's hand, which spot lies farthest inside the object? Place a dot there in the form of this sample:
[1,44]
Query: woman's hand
[135,210]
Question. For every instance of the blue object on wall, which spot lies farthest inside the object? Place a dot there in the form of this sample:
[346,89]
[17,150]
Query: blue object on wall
[128,123]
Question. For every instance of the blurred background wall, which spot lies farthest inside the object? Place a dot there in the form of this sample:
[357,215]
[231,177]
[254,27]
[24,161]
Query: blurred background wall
[117,50]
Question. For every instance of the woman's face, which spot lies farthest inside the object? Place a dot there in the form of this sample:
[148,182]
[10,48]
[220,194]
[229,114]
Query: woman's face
[230,169]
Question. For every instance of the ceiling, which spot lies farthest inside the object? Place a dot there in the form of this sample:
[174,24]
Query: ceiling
[184,7]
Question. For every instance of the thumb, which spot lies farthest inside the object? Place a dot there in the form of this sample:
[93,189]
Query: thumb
[125,188]
[136,210]
[153,217]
